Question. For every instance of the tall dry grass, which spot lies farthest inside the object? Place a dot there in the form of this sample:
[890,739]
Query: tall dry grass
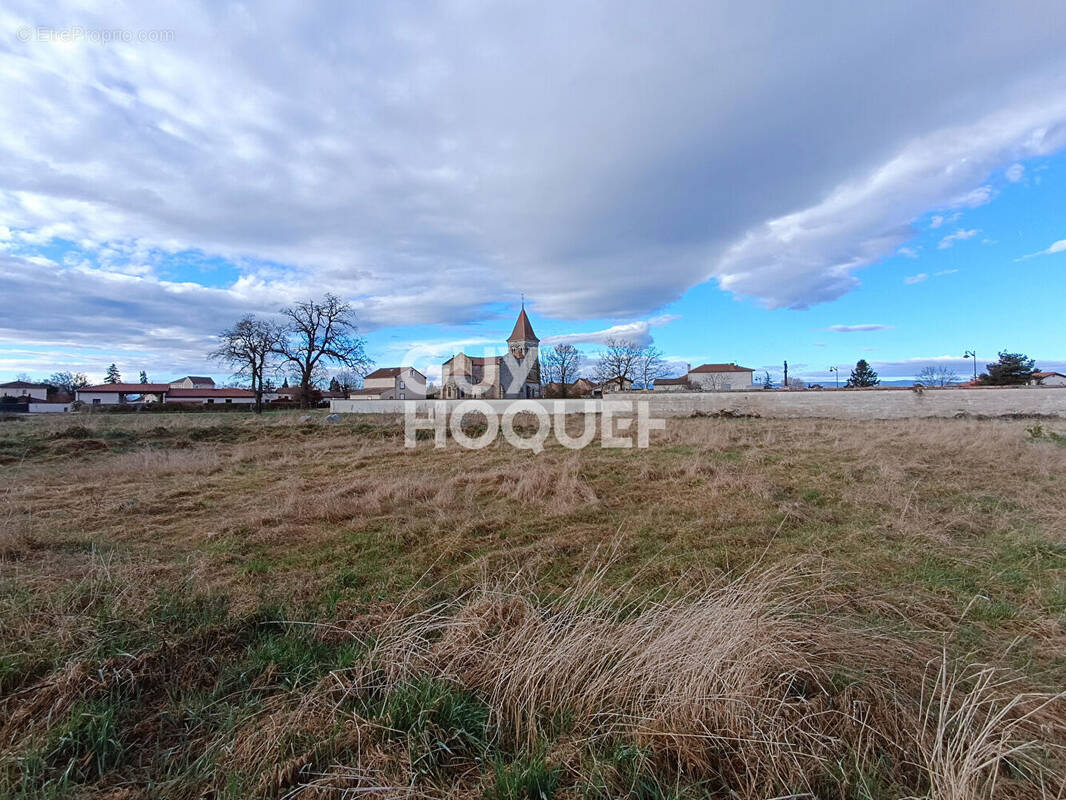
[737,688]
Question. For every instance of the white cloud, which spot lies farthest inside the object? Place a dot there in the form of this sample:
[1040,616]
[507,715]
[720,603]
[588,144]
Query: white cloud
[1056,247]
[958,236]
[638,332]
[1015,172]
[460,154]
[943,219]
[858,328]
[908,252]
[912,279]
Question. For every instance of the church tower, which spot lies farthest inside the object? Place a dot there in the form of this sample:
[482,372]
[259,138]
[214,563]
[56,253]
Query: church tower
[522,343]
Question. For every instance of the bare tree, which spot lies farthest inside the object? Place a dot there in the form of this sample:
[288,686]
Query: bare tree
[68,382]
[938,376]
[650,365]
[561,364]
[618,362]
[317,333]
[348,379]
[248,347]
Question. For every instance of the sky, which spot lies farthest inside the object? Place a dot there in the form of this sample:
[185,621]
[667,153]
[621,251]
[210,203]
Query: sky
[729,182]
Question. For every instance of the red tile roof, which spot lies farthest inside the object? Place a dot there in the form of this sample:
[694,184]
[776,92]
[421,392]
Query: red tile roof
[523,331]
[720,368]
[1047,374]
[385,372]
[128,388]
[671,381]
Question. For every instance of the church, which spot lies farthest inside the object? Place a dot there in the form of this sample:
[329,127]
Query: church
[515,375]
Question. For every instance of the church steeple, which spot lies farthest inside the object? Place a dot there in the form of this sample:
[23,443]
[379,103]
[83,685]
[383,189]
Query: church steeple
[523,331]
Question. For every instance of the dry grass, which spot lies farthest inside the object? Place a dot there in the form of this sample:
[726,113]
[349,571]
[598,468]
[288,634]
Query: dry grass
[897,631]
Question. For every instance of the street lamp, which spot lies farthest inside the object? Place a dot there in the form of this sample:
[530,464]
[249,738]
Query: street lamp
[836,375]
[973,355]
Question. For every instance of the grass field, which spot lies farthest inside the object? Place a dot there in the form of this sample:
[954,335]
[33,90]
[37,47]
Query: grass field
[218,606]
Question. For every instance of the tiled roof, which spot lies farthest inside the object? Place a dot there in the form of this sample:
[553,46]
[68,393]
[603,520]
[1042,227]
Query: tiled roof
[22,385]
[523,331]
[368,392]
[385,372]
[194,379]
[720,368]
[127,388]
[1048,374]
[671,381]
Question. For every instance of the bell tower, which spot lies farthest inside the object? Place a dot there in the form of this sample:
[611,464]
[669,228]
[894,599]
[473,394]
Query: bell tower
[522,343]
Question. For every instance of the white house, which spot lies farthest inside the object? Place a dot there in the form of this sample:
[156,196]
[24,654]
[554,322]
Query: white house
[1048,379]
[114,393]
[192,382]
[671,384]
[21,389]
[392,383]
[708,378]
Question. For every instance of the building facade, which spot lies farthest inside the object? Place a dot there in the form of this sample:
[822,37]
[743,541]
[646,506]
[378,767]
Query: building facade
[708,378]
[392,383]
[516,375]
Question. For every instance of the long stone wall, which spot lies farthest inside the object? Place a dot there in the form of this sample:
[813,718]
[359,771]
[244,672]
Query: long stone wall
[849,404]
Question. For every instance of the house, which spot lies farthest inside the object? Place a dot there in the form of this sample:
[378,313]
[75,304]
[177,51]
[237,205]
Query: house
[515,375]
[24,389]
[210,396]
[582,387]
[392,383]
[116,393]
[671,384]
[613,385]
[708,378]
[192,382]
[1048,379]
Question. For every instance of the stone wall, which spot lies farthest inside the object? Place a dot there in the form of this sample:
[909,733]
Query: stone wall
[836,404]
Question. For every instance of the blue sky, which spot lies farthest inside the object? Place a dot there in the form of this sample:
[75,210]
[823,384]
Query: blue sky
[732,184]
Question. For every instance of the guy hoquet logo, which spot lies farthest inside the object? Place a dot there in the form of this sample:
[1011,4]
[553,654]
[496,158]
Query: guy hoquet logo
[616,427]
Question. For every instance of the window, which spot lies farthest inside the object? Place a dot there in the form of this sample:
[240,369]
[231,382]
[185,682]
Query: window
[96,401]
[403,396]
[210,401]
[402,386]
[228,400]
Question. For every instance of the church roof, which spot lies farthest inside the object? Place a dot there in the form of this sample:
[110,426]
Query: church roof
[523,331]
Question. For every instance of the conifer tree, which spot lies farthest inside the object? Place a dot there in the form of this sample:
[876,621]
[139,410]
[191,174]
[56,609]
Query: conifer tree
[1012,369]
[144,376]
[112,375]
[862,375]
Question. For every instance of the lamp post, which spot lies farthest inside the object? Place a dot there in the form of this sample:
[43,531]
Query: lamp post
[973,355]
[836,376]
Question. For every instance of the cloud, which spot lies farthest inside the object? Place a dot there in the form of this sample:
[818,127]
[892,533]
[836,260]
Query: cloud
[858,328]
[921,277]
[959,236]
[453,156]
[908,252]
[1055,247]
[1014,173]
[943,219]
[637,332]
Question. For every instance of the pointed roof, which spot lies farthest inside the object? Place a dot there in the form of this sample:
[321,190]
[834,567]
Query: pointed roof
[523,331]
